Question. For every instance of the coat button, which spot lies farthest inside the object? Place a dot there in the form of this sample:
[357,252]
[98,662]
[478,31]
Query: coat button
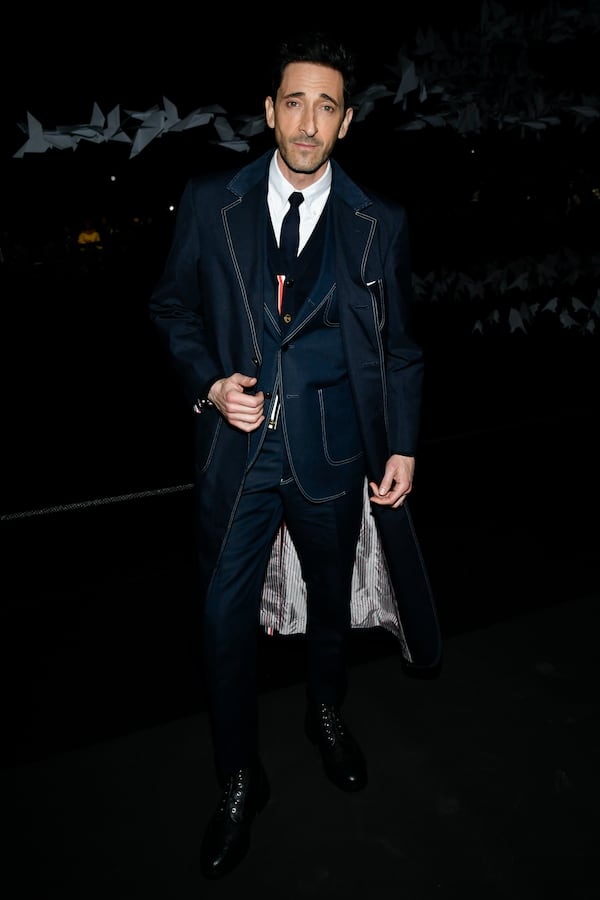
[287,318]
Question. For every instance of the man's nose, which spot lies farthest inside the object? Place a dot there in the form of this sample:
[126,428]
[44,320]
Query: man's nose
[309,126]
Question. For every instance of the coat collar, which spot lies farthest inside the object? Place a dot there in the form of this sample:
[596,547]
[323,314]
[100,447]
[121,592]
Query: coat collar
[341,185]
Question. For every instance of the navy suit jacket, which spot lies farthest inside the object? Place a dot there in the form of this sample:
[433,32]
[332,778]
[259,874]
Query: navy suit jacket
[209,309]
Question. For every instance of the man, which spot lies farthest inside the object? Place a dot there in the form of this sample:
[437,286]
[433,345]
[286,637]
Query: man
[306,387]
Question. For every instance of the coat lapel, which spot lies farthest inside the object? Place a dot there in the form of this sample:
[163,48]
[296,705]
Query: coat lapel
[245,223]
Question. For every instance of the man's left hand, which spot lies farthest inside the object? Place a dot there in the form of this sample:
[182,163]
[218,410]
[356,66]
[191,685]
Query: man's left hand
[396,483]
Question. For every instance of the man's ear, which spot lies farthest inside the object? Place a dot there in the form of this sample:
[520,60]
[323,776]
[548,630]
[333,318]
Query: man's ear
[346,122]
[270,112]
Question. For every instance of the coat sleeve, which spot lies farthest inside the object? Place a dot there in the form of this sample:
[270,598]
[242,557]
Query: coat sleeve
[178,303]
[404,365]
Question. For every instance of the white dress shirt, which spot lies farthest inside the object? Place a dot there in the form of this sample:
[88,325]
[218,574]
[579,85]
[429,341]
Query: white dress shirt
[315,198]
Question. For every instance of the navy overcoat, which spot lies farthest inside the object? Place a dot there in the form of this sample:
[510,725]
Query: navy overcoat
[208,308]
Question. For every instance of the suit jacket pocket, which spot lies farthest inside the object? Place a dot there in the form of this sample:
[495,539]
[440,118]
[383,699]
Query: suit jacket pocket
[377,295]
[339,426]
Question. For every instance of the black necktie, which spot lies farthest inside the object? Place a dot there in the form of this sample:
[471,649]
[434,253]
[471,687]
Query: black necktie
[290,230]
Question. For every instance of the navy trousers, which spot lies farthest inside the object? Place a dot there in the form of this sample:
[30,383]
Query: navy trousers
[325,535]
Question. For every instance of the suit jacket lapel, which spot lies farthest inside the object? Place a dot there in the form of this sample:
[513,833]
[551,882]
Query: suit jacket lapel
[245,223]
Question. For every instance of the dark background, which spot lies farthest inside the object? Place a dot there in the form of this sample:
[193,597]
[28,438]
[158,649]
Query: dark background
[91,410]
[484,781]
[90,407]
[65,65]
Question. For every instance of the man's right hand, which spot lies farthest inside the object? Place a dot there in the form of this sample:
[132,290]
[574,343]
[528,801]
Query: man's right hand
[242,410]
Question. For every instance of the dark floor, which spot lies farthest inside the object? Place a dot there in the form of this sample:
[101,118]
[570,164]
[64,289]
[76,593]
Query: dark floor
[483,781]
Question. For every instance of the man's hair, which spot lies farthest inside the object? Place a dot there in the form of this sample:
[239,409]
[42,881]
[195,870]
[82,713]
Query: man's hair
[316,48]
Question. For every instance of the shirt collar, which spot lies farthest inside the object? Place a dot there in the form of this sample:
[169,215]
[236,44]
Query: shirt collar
[314,196]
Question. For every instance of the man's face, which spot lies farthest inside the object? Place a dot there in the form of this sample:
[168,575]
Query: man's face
[308,117]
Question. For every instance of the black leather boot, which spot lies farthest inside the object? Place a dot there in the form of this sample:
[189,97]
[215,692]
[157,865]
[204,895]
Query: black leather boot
[227,837]
[342,758]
